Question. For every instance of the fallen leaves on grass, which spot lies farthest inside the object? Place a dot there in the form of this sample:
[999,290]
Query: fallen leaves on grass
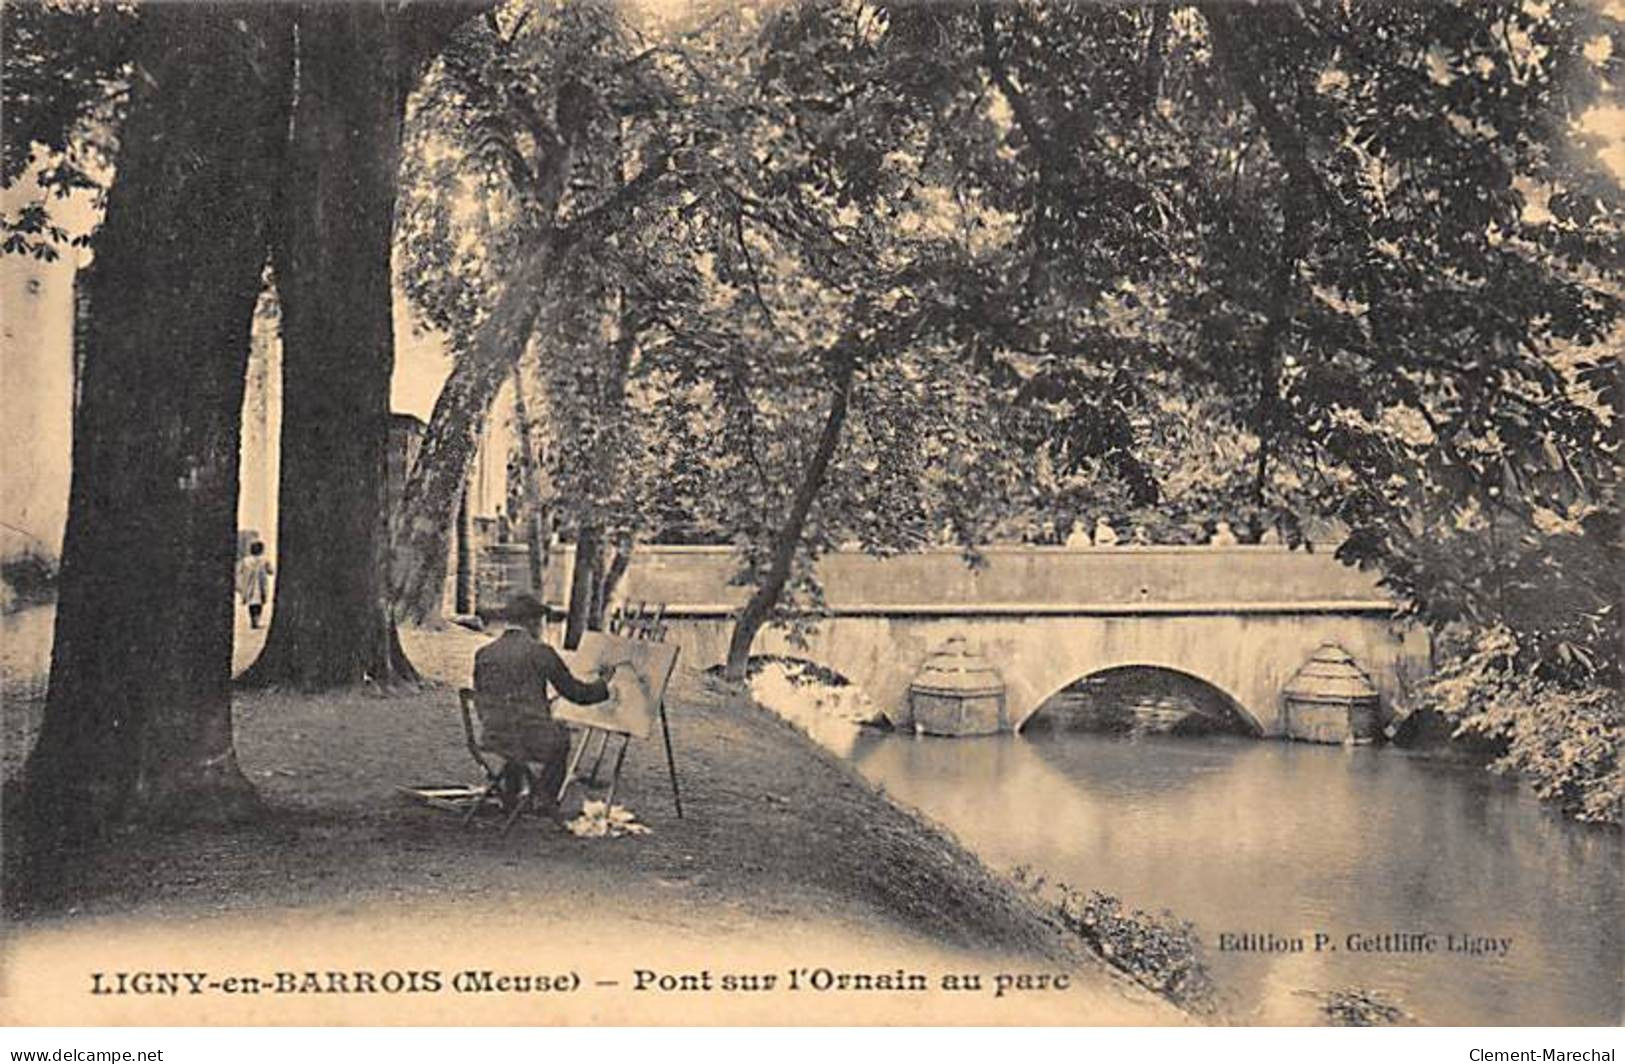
[598,821]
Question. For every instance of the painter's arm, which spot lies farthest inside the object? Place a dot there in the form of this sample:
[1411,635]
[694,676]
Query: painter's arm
[582,692]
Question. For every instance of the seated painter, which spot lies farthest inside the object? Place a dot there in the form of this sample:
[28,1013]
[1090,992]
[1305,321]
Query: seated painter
[514,677]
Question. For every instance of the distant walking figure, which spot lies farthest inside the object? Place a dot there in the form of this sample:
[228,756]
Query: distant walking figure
[254,581]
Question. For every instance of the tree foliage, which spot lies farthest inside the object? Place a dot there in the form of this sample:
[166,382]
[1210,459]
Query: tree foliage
[552,107]
[834,272]
[66,92]
[1382,236]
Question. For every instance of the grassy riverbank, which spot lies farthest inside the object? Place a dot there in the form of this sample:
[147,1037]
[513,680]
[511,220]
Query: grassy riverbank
[785,859]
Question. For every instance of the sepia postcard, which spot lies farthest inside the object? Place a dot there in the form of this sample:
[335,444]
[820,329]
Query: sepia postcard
[811,512]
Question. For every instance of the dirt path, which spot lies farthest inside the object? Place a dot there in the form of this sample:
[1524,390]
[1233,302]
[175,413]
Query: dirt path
[785,857]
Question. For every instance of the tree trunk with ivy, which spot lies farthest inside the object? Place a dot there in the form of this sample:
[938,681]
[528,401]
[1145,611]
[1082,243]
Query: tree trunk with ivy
[584,565]
[531,484]
[463,592]
[620,560]
[592,579]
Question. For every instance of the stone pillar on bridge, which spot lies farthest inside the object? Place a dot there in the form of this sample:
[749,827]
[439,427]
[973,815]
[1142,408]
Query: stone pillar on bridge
[956,692]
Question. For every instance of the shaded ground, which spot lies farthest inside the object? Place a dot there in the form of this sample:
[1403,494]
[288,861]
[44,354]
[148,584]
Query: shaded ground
[781,844]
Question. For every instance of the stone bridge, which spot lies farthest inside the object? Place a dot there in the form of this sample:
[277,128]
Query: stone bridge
[1241,619]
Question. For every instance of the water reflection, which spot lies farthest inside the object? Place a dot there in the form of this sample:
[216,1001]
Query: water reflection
[1243,836]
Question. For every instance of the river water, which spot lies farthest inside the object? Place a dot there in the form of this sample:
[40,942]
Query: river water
[1286,840]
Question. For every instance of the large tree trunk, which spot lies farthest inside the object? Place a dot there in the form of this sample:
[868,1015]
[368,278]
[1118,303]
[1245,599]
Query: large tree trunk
[330,624]
[760,606]
[138,718]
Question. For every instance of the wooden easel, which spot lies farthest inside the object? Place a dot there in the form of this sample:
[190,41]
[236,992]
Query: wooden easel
[640,624]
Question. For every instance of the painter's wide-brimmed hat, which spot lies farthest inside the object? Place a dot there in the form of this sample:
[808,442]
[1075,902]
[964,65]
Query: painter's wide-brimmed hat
[523,608]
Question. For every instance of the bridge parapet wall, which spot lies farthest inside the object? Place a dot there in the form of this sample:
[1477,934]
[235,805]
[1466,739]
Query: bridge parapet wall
[696,580]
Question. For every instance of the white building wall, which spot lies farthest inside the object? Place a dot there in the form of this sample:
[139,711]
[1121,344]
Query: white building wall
[36,401]
[37,384]
[261,455]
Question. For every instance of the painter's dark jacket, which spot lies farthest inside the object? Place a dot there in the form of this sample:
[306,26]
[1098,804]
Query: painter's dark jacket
[514,680]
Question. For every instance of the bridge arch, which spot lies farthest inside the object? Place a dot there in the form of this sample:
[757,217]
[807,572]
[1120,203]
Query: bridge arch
[1152,682]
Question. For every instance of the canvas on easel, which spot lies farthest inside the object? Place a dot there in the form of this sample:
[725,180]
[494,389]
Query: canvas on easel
[635,692]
